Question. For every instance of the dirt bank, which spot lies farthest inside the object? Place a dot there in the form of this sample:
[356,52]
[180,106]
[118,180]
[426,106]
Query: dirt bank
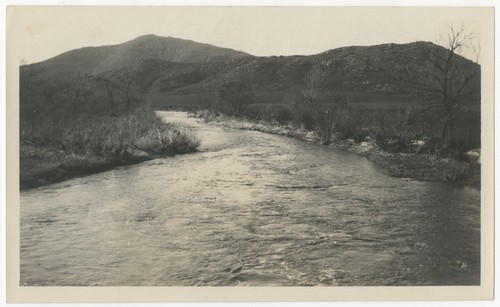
[41,165]
[423,167]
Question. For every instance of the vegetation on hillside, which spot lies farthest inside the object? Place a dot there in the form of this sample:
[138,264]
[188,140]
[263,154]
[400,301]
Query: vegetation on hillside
[333,120]
[87,124]
[445,123]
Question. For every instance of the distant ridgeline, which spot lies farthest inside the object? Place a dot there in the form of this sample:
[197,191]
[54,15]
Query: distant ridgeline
[161,71]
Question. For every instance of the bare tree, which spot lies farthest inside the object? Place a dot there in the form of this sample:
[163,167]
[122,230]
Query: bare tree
[209,99]
[450,81]
[237,95]
[109,91]
[126,81]
[308,101]
[311,94]
[109,96]
[75,88]
[79,89]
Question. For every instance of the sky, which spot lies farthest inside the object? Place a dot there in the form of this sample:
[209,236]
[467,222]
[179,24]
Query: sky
[39,33]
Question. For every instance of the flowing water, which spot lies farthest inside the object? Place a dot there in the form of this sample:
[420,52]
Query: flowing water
[249,209]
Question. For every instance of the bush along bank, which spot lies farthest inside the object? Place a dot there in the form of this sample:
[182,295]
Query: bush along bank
[53,150]
[416,160]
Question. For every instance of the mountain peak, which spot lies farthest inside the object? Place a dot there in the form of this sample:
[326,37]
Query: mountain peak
[154,47]
[145,47]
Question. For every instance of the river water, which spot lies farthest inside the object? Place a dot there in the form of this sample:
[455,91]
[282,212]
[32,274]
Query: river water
[249,209]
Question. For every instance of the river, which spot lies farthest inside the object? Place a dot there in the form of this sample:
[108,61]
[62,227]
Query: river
[249,209]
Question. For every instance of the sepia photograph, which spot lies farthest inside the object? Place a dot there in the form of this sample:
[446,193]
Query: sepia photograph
[201,149]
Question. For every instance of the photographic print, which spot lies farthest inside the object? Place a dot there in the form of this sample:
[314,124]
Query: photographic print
[242,148]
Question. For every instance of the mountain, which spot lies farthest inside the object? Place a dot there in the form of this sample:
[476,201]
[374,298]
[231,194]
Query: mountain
[368,70]
[97,60]
[173,70]
[166,49]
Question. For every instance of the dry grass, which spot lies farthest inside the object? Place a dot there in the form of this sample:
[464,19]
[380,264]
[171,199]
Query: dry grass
[110,135]
[53,150]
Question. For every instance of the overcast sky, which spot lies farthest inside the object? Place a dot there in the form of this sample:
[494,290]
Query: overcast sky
[44,32]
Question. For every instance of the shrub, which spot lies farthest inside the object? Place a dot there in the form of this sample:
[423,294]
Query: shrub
[237,96]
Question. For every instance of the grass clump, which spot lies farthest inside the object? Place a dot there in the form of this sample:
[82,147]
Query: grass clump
[112,135]
[54,149]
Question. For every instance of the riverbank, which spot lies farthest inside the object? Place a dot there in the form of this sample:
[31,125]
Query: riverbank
[43,166]
[422,167]
[84,146]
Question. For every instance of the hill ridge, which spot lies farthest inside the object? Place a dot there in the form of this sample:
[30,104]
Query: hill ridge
[99,59]
[169,65]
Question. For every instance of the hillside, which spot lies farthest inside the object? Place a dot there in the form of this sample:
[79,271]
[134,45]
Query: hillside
[166,49]
[167,68]
[98,60]
[372,69]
